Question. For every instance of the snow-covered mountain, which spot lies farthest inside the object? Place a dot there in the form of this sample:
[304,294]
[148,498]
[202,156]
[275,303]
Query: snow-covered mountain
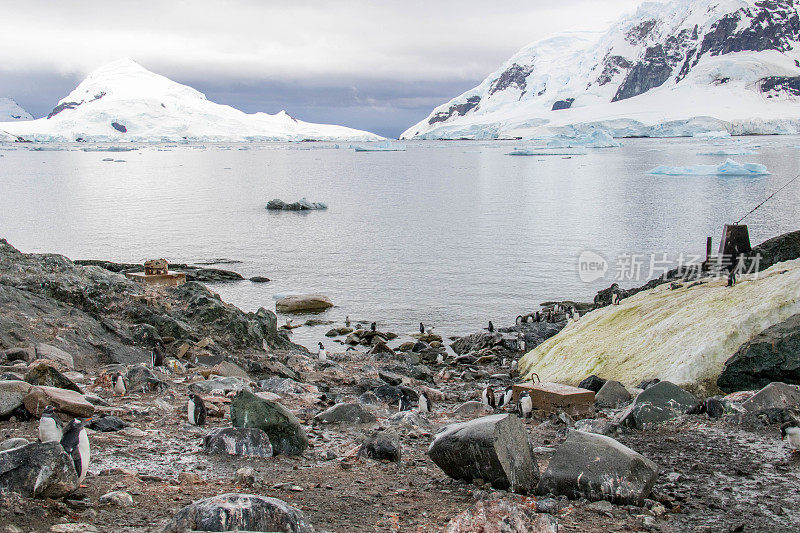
[669,69]
[10,110]
[122,101]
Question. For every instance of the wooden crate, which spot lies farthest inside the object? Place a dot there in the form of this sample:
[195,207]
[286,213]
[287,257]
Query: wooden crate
[553,397]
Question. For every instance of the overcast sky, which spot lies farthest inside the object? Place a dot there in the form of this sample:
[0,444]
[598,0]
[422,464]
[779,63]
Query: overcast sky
[375,65]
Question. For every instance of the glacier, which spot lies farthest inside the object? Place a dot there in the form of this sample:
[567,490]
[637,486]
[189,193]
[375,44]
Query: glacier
[123,101]
[670,69]
[728,168]
[11,111]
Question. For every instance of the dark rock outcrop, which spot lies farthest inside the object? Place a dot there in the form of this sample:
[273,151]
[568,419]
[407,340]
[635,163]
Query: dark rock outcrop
[493,448]
[239,512]
[382,446]
[776,395]
[249,442]
[597,467]
[281,426]
[562,104]
[41,470]
[342,413]
[657,404]
[592,383]
[456,109]
[772,355]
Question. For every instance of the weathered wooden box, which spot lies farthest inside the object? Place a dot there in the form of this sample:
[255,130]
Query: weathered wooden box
[553,397]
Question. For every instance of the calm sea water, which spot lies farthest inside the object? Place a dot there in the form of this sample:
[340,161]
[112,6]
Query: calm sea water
[448,233]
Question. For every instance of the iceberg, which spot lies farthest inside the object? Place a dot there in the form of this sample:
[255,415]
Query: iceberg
[728,168]
[594,139]
[385,146]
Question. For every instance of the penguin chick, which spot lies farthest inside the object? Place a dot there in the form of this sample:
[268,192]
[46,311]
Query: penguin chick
[119,384]
[487,397]
[50,426]
[425,405]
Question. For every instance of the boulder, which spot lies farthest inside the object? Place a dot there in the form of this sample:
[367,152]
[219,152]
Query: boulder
[119,498]
[409,419]
[303,302]
[352,413]
[107,424]
[51,353]
[44,374]
[382,446]
[250,442]
[218,385]
[772,355]
[228,369]
[390,377]
[10,444]
[38,469]
[658,403]
[777,249]
[597,467]
[776,395]
[20,354]
[239,512]
[501,516]
[592,383]
[473,408]
[12,393]
[601,426]
[493,448]
[286,386]
[476,342]
[612,394]
[380,347]
[141,378]
[285,433]
[63,400]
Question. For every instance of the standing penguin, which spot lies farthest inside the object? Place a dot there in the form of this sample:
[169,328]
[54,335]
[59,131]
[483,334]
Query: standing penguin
[76,443]
[487,397]
[491,327]
[524,405]
[521,342]
[196,410]
[614,298]
[50,427]
[404,404]
[422,328]
[373,326]
[791,430]
[157,355]
[119,384]
[347,321]
[520,320]
[507,396]
[322,353]
[425,405]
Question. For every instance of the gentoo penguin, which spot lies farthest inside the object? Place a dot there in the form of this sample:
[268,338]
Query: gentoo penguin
[614,298]
[50,427]
[323,354]
[491,327]
[439,358]
[157,355]
[119,384]
[791,430]
[514,365]
[487,397]
[520,320]
[505,398]
[404,404]
[347,321]
[196,410]
[732,278]
[424,403]
[524,405]
[76,443]
[422,328]
[521,342]
[373,327]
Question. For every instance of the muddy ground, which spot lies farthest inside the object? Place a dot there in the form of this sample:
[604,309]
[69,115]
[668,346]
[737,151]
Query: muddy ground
[715,476]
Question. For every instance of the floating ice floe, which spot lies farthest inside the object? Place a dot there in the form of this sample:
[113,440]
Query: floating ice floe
[385,146]
[728,168]
[545,151]
[729,151]
[109,148]
[712,135]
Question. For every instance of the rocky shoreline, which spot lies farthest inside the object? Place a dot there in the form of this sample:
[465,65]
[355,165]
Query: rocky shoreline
[308,443]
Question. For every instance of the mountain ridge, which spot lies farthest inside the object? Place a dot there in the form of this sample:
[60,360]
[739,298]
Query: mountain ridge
[667,69]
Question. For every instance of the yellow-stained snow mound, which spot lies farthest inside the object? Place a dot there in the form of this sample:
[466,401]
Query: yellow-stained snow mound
[683,335]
